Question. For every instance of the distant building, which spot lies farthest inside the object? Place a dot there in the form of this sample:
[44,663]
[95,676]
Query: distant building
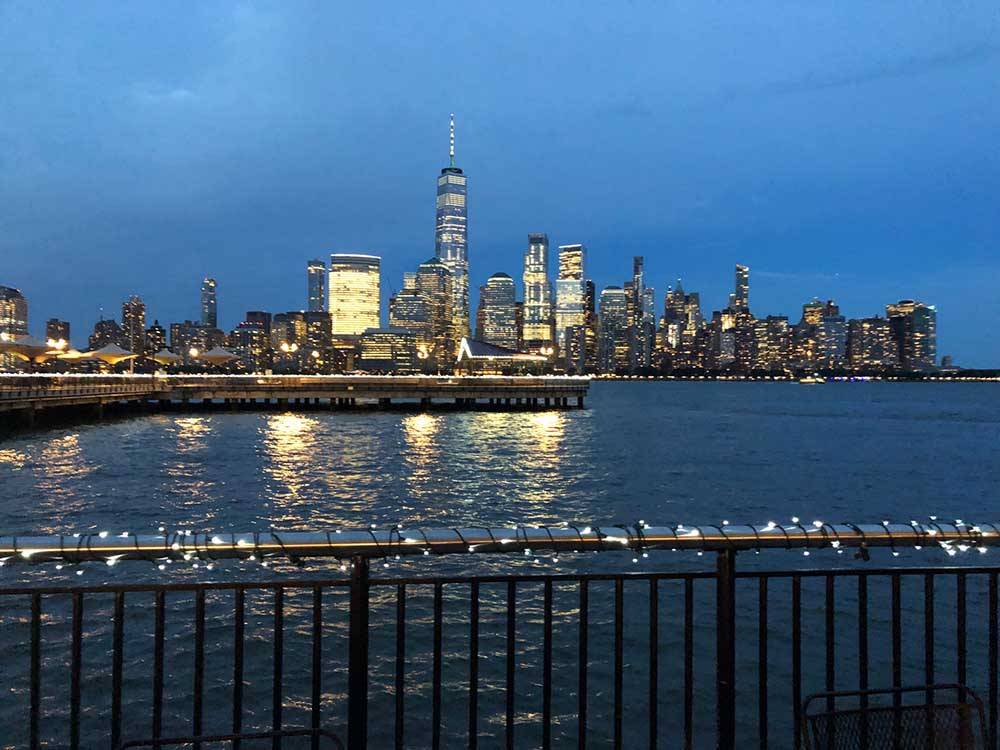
[613,342]
[190,339]
[106,332]
[914,327]
[741,294]
[260,318]
[209,304]
[499,312]
[831,342]
[772,343]
[871,344]
[13,312]
[354,293]
[392,350]
[539,323]
[316,285]
[451,235]
[570,309]
[251,343]
[319,356]
[57,330]
[156,338]
[134,324]
[288,340]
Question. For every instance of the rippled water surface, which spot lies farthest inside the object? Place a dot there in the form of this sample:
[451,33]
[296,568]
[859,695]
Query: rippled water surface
[663,452]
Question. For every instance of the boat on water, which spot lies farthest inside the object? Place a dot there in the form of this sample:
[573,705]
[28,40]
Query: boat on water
[812,380]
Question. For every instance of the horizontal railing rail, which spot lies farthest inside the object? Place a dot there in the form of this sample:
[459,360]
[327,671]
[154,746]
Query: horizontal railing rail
[347,544]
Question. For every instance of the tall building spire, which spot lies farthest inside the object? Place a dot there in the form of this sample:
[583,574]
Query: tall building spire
[451,140]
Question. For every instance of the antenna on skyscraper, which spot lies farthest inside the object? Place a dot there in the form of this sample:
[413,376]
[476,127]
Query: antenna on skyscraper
[451,140]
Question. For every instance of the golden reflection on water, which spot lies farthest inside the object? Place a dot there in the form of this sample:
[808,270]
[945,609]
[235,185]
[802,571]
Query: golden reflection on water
[60,463]
[290,446]
[187,470]
[12,459]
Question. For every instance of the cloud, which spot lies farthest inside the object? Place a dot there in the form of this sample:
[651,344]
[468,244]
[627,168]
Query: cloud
[162,95]
[902,68]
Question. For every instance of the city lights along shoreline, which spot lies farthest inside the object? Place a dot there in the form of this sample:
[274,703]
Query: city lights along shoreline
[560,325]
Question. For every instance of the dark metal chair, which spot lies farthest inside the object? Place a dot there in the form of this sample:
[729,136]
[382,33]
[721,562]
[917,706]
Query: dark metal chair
[948,717]
[321,738]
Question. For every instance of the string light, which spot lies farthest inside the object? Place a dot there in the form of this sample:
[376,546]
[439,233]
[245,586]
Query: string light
[540,543]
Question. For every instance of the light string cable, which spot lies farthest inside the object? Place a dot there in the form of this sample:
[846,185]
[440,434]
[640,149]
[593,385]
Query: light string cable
[982,536]
[579,534]
[292,558]
[805,534]
[521,529]
[552,544]
[642,546]
[378,547]
[835,544]
[862,553]
[725,537]
[333,552]
[892,540]
[626,541]
[756,537]
[494,545]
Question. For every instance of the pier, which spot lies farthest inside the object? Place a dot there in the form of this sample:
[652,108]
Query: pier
[25,397]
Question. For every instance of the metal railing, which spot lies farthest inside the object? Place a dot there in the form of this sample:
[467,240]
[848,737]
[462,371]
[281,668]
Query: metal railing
[622,659]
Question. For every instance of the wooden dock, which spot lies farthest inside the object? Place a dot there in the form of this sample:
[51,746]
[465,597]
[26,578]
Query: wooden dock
[25,397]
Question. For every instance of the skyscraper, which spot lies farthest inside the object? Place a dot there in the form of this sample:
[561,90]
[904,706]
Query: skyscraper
[134,324]
[741,296]
[499,314]
[871,344]
[316,285]
[13,312]
[538,321]
[209,304]
[354,293]
[914,326]
[451,235]
[612,349]
[570,290]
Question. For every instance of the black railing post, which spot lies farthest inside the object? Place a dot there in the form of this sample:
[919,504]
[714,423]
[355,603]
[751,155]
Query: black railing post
[357,664]
[725,664]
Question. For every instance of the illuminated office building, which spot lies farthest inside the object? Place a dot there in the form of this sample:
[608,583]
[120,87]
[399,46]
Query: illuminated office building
[741,294]
[914,327]
[772,342]
[13,312]
[316,285]
[57,330]
[252,345]
[570,291]
[106,333]
[260,318]
[451,236]
[388,350]
[538,320]
[499,313]
[871,344]
[156,338]
[613,341]
[831,341]
[354,293]
[209,304]
[134,324]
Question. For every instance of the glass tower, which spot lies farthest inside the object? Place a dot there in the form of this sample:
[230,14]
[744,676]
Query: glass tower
[450,237]
[499,311]
[354,293]
[538,323]
[570,292]
[209,304]
[134,324]
[316,282]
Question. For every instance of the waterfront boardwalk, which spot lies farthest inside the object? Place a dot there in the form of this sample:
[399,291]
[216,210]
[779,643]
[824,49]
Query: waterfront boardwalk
[22,397]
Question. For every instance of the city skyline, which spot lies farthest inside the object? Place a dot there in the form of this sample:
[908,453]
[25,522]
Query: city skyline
[846,161]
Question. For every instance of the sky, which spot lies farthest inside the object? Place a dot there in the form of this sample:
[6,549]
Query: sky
[843,150]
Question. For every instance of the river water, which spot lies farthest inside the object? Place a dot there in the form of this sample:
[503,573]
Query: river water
[659,451]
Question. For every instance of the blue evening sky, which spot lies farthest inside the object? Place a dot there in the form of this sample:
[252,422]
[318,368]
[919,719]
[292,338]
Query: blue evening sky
[841,149]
